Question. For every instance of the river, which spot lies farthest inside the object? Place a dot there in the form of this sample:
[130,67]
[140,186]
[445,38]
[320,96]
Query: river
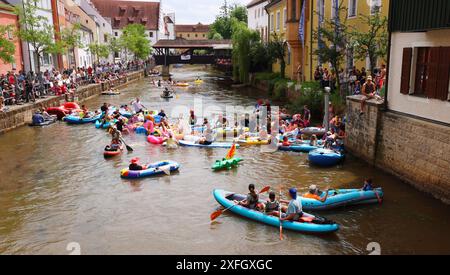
[56,188]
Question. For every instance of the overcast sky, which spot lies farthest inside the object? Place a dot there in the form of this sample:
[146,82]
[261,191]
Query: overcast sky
[194,11]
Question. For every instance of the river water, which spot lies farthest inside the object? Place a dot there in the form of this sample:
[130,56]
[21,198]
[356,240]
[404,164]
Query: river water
[56,188]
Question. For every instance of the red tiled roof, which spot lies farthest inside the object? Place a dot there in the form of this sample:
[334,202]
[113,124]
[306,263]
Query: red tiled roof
[122,11]
[183,43]
[192,28]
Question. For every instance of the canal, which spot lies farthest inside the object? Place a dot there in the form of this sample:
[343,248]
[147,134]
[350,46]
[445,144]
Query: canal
[56,188]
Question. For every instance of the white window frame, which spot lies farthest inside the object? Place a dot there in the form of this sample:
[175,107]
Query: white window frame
[333,9]
[278,20]
[374,2]
[284,18]
[321,9]
[272,22]
[350,8]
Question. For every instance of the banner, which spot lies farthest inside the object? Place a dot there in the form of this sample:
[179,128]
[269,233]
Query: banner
[186,57]
[301,25]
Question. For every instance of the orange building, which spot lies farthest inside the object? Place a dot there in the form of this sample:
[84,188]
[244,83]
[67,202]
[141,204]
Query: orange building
[192,32]
[7,17]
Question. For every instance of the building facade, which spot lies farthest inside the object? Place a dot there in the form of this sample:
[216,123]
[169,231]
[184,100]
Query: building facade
[47,62]
[314,13]
[123,13]
[192,32]
[277,25]
[8,18]
[258,18]
[407,135]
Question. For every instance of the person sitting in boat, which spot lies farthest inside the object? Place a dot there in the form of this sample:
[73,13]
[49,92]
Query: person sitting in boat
[252,200]
[116,135]
[46,115]
[330,138]
[263,135]
[137,106]
[294,210]
[120,126]
[85,112]
[134,165]
[286,141]
[38,118]
[104,108]
[306,116]
[166,92]
[316,194]
[313,140]
[367,185]
[162,114]
[207,139]
[159,83]
[272,206]
[171,142]
[221,122]
[206,123]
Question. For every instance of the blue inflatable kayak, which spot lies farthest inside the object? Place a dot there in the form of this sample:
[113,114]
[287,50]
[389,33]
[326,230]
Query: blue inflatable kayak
[154,169]
[343,197]
[213,145]
[305,148]
[99,124]
[77,120]
[226,198]
[325,157]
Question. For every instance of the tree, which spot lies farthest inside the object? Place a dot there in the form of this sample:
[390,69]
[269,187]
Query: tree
[277,49]
[260,58]
[371,43]
[332,35]
[243,40]
[36,31]
[223,23]
[99,50]
[134,39]
[71,38]
[217,36]
[7,48]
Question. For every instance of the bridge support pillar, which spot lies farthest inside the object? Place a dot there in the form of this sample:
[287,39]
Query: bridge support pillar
[166,71]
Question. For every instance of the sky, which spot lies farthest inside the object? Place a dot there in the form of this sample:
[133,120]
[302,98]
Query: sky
[194,11]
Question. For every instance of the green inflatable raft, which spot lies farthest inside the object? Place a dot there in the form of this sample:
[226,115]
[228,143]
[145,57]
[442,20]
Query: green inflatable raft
[226,164]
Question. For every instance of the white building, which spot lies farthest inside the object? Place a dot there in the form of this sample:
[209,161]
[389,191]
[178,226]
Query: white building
[104,29]
[44,8]
[258,19]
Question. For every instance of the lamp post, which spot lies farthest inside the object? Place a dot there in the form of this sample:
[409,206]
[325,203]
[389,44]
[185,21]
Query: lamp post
[326,121]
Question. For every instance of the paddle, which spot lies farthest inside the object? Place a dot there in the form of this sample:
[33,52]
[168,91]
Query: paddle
[219,212]
[281,222]
[129,149]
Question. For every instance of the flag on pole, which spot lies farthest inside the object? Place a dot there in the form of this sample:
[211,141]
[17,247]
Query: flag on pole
[231,152]
[301,25]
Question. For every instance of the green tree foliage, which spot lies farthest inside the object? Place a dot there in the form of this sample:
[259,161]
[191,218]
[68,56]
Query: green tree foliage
[243,40]
[114,45]
[134,40]
[334,36]
[260,58]
[36,31]
[7,47]
[99,50]
[223,23]
[277,49]
[372,43]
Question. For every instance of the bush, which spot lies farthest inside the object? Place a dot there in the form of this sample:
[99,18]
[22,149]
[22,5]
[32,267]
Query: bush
[266,76]
[312,95]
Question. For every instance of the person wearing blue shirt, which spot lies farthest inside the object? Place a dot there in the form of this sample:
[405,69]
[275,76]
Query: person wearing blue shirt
[367,185]
[294,210]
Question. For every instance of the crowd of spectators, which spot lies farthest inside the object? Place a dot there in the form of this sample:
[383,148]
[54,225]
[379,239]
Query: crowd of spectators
[21,87]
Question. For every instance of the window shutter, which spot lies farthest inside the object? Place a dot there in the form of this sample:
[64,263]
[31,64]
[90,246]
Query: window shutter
[406,71]
[432,73]
[443,74]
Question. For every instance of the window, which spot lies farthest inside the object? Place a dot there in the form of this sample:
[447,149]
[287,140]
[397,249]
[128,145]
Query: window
[293,10]
[352,8]
[181,35]
[321,10]
[278,20]
[334,8]
[204,35]
[426,72]
[284,18]
[189,35]
[150,34]
[256,13]
[105,37]
[10,35]
[196,35]
[116,34]
[272,22]
[375,6]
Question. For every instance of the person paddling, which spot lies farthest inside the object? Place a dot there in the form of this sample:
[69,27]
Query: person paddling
[367,185]
[134,165]
[252,200]
[294,211]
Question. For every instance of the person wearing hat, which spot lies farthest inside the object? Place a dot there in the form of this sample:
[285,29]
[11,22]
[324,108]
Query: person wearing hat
[316,194]
[294,211]
[134,165]
[368,91]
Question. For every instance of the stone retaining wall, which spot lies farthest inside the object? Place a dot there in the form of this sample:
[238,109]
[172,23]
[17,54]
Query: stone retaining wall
[21,114]
[415,150]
